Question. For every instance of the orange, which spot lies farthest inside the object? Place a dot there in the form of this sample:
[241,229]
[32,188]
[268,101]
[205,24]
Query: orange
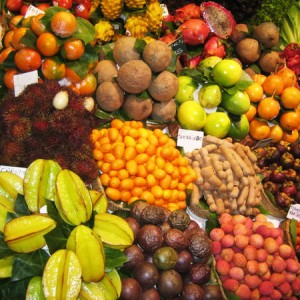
[53,70]
[8,38]
[290,120]
[19,33]
[250,114]
[28,59]
[47,44]
[72,49]
[273,85]
[268,108]
[87,85]
[276,133]
[5,53]
[259,78]
[259,130]
[291,137]
[63,24]
[8,78]
[36,25]
[72,76]
[288,75]
[255,92]
[290,97]
[15,21]
[27,21]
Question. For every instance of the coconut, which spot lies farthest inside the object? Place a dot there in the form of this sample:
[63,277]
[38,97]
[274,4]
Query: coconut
[106,70]
[124,50]
[164,112]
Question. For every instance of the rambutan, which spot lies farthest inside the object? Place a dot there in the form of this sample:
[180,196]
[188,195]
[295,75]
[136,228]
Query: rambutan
[21,129]
[40,124]
[87,169]
[14,151]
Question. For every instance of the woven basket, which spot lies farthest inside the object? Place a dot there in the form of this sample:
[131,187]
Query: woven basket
[274,210]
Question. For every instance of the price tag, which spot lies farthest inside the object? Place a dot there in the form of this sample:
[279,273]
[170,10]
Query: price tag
[15,170]
[189,139]
[178,46]
[165,10]
[33,11]
[294,212]
[24,79]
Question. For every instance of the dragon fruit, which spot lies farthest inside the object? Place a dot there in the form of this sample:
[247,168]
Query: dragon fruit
[187,12]
[168,38]
[194,31]
[190,62]
[214,47]
[291,54]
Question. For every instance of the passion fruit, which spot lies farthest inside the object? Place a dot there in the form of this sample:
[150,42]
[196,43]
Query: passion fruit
[150,238]
[165,258]
[170,284]
[146,274]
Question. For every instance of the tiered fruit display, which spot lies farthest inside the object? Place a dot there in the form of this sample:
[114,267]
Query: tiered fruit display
[252,259]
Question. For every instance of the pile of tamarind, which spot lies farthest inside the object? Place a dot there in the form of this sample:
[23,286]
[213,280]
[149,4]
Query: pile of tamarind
[226,177]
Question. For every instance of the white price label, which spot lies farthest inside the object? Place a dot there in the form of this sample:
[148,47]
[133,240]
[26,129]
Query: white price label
[24,79]
[294,212]
[190,139]
[33,11]
[15,170]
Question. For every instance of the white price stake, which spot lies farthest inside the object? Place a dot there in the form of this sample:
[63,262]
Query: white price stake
[190,139]
[33,11]
[294,212]
[24,79]
[16,170]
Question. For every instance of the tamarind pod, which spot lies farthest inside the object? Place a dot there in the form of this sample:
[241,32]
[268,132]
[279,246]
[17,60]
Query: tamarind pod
[220,206]
[35,289]
[210,200]
[211,147]
[99,201]
[72,198]
[91,291]
[6,265]
[26,233]
[243,196]
[210,139]
[114,231]
[250,154]
[62,276]
[234,192]
[88,247]
[195,196]
[39,183]
[252,192]
[228,153]
[240,149]
[11,185]
[234,206]
[245,168]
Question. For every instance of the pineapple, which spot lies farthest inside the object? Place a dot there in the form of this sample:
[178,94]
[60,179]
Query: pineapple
[111,9]
[134,4]
[154,16]
[104,31]
[136,26]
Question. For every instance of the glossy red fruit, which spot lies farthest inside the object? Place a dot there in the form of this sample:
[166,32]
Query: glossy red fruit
[14,5]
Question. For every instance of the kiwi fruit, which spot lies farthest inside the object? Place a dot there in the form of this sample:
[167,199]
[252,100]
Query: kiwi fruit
[269,61]
[239,32]
[109,96]
[106,70]
[136,108]
[164,87]
[124,50]
[267,34]
[157,55]
[248,50]
[164,112]
[134,76]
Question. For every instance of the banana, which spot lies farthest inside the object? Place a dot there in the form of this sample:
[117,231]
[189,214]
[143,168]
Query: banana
[99,201]
[91,291]
[26,233]
[5,206]
[114,231]
[107,287]
[11,185]
[72,198]
[39,183]
[62,276]
[35,289]
[89,249]
[6,265]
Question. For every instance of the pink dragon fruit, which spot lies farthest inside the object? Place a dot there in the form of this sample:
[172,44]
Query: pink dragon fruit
[189,11]
[168,38]
[291,54]
[214,47]
[194,31]
[190,62]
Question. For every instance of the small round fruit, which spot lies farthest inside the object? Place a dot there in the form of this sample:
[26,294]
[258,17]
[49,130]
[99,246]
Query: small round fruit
[187,87]
[209,62]
[237,103]
[191,115]
[210,96]
[240,129]
[165,258]
[217,124]
[227,72]
[63,24]
[259,130]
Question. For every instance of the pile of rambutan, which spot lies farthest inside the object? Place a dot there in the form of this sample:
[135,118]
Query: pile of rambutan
[31,128]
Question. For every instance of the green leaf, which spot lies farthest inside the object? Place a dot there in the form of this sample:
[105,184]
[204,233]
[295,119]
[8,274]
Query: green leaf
[102,115]
[114,258]
[29,264]
[84,31]
[4,249]
[21,208]
[9,61]
[139,45]
[212,222]
[29,39]
[172,66]
[13,290]
[293,231]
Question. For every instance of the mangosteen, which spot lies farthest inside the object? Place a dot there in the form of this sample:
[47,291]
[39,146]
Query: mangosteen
[150,238]
[265,173]
[200,273]
[289,188]
[260,152]
[277,176]
[261,162]
[192,291]
[170,284]
[146,274]
[297,197]
[297,164]
[283,200]
[131,289]
[290,174]
[295,149]
[282,147]
[272,155]
[270,186]
[287,160]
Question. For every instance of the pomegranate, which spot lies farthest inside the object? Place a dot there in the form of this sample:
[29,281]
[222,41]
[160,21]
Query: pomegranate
[194,31]
[291,54]
[214,47]
[189,11]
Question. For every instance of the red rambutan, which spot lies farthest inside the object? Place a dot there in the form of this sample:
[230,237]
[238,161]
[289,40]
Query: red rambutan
[21,129]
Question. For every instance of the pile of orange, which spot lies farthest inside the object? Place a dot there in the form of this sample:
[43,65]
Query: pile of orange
[275,106]
[138,163]
[35,48]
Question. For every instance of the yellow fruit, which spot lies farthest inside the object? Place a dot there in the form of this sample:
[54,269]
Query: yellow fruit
[137,26]
[104,31]
[134,4]
[111,9]
[154,16]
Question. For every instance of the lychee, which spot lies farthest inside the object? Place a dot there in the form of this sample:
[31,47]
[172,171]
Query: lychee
[253,281]
[240,228]
[261,218]
[241,241]
[284,288]
[243,292]
[216,234]
[236,273]
[279,264]
[266,276]
[289,277]
[256,240]
[222,267]
[252,266]
[262,254]
[276,295]
[285,251]
[255,295]
[296,286]
[227,227]
[227,254]
[275,232]
[263,230]
[230,284]
[238,219]
[227,241]
[250,252]
[277,279]
[239,260]
[270,245]
[266,288]
[216,247]
[225,218]
[263,268]
[292,265]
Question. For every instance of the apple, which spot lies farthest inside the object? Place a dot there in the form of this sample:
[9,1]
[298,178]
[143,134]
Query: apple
[191,115]
[217,124]
[209,62]
[237,103]
[187,87]
[227,72]
[239,129]
[210,95]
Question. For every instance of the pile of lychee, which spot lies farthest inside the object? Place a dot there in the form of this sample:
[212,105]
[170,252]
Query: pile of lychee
[252,259]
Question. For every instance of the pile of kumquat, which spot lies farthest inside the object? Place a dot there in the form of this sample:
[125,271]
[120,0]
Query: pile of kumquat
[139,163]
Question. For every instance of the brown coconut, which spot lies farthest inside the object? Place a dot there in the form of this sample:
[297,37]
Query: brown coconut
[248,50]
[269,61]
[267,34]
[164,87]
[164,112]
[109,96]
[239,32]
[134,76]
[124,50]
[157,55]
[137,109]
[106,70]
